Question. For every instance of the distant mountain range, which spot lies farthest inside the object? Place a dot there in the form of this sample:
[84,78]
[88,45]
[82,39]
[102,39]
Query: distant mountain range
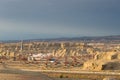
[86,38]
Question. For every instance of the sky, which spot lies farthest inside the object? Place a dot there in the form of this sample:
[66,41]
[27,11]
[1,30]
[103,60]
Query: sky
[41,19]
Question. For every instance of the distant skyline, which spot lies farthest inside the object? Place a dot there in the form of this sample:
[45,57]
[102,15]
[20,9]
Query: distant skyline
[38,19]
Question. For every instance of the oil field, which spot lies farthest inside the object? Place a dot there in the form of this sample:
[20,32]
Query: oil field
[59,39]
[90,59]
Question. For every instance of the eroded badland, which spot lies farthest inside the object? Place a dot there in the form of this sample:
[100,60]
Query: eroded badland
[83,55]
[61,55]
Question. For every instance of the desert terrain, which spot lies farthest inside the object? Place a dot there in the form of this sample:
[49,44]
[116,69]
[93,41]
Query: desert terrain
[44,60]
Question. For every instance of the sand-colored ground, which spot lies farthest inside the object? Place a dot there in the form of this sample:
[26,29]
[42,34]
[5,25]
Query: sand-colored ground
[17,77]
[12,73]
[7,73]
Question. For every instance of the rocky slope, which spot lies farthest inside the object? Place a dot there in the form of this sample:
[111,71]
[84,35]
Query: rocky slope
[104,61]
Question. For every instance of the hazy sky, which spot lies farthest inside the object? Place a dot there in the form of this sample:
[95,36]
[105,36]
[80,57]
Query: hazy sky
[34,19]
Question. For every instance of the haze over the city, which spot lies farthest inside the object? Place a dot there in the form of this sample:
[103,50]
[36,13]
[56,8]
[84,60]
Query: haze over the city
[35,19]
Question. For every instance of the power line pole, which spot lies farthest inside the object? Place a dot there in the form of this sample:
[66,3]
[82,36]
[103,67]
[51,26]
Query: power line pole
[21,47]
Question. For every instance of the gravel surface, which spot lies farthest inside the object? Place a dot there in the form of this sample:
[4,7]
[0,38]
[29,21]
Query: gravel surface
[7,73]
[13,74]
